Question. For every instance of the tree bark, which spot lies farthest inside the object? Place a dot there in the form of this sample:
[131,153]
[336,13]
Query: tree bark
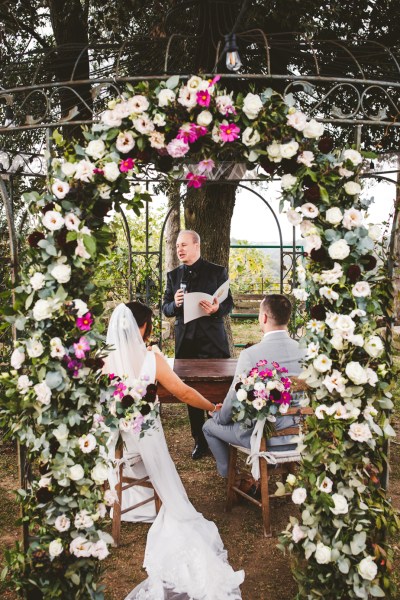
[172,227]
[209,212]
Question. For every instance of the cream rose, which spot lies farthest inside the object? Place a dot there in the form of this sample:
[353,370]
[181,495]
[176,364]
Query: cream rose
[288,181]
[111,171]
[99,473]
[204,118]
[297,533]
[165,97]
[252,105]
[374,346]
[360,432]
[341,506]
[43,393]
[361,289]
[55,548]
[42,310]
[299,495]
[250,137]
[61,273]
[17,358]
[297,120]
[339,250]
[313,129]
[353,156]
[334,215]
[356,373]
[76,473]
[352,188]
[367,568]
[323,554]
[289,150]
[95,149]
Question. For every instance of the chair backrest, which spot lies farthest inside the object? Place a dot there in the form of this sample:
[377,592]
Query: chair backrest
[296,411]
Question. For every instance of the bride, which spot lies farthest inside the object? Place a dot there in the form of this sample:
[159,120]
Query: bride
[184,558]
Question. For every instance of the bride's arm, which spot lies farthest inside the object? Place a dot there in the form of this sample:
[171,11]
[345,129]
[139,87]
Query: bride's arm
[175,385]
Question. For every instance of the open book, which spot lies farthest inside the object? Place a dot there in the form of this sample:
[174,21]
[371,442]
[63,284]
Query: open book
[191,307]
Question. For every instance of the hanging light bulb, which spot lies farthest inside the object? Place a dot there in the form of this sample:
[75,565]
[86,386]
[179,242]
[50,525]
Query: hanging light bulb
[233,62]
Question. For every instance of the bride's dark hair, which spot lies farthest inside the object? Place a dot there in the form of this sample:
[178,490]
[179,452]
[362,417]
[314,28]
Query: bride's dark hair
[143,316]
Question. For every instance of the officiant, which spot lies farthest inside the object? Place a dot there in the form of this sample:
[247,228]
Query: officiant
[204,337]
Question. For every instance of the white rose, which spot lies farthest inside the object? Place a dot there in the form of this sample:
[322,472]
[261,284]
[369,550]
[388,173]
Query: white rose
[17,358]
[337,341]
[374,346]
[297,533]
[323,554]
[68,169]
[84,171]
[159,119]
[99,550]
[309,210]
[60,188]
[250,137]
[111,118]
[306,158]
[55,548]
[289,150]
[300,294]
[353,156]
[241,395]
[297,120]
[344,324]
[76,473]
[341,507]
[204,118]
[322,363]
[299,495]
[83,520]
[24,383]
[334,215]
[326,485]
[165,97]
[352,188]
[52,220]
[61,273]
[81,307]
[352,218]
[360,432]
[294,217]
[367,568]
[43,393]
[87,443]
[361,289]
[274,152]
[72,222]
[291,479]
[111,171]
[312,242]
[99,473]
[42,310]
[356,340]
[252,105]
[37,281]
[34,348]
[81,547]
[356,373]
[339,250]
[375,232]
[95,149]
[125,142]
[307,228]
[288,181]
[313,129]
[62,523]
[110,497]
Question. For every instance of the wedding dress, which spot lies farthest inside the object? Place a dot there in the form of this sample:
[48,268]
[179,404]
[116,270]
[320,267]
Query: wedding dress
[184,557]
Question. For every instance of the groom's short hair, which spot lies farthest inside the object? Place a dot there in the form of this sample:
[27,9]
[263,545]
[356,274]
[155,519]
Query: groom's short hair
[278,307]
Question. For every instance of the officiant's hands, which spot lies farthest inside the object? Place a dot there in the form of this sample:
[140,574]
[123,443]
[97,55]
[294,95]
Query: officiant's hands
[210,308]
[179,295]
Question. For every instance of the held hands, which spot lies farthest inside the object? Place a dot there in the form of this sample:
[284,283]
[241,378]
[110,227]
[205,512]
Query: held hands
[179,295]
[217,408]
[209,308]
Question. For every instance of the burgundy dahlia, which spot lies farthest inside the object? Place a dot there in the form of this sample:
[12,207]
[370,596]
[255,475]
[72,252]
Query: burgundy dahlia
[321,255]
[47,207]
[369,262]
[325,144]
[127,401]
[354,273]
[312,194]
[318,312]
[34,238]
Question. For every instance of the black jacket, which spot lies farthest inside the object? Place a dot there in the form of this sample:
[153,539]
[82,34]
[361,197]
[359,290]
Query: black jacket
[206,277]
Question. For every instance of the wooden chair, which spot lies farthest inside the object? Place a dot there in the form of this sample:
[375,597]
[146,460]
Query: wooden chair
[284,466]
[124,483]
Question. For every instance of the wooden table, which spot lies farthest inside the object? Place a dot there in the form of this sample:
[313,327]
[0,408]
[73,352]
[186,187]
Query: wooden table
[212,377]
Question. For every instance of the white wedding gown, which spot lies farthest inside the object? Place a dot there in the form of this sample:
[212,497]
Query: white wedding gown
[184,558]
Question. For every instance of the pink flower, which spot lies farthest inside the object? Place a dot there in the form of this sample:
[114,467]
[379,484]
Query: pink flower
[177,148]
[286,397]
[120,390]
[214,80]
[126,165]
[84,323]
[195,181]
[229,133]
[266,373]
[262,362]
[275,364]
[81,347]
[253,372]
[137,424]
[188,133]
[286,382]
[203,98]
[111,376]
[206,165]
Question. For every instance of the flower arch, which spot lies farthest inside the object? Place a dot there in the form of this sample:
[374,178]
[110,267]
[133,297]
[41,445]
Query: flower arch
[57,401]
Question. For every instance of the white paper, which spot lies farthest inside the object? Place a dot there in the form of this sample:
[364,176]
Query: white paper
[191,302]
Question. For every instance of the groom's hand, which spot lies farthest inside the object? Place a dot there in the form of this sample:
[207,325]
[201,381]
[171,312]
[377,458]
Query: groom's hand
[208,307]
[217,409]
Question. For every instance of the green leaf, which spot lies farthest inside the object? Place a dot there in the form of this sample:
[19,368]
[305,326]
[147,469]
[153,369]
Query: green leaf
[90,244]
[172,82]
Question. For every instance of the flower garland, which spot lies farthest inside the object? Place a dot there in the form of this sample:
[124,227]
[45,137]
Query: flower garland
[55,394]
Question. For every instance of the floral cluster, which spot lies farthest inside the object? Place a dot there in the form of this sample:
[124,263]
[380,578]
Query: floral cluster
[135,406]
[346,368]
[262,393]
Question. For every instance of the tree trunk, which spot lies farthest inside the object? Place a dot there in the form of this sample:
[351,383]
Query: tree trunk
[71,61]
[209,212]
[172,227]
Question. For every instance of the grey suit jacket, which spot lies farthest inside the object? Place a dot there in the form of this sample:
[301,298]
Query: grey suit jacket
[275,346]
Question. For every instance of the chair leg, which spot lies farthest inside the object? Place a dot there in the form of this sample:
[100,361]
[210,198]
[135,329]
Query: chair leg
[116,524]
[157,501]
[264,492]
[230,499]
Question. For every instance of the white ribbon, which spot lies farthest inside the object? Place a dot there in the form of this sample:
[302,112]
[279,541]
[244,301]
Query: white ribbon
[255,442]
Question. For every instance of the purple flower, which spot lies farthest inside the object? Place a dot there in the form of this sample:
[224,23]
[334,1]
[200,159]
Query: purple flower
[137,424]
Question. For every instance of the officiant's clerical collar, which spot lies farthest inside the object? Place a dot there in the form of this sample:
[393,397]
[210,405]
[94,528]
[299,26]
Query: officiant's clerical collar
[195,266]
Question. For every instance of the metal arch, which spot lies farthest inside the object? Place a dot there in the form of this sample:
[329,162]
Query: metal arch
[84,49]
[127,232]
[388,50]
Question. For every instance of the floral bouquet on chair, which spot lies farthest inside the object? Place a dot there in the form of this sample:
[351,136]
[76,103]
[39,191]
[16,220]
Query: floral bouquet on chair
[134,408]
[262,394]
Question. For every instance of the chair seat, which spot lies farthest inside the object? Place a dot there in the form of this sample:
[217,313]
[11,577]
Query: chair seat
[280,457]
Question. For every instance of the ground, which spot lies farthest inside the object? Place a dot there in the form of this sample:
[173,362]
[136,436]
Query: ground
[267,569]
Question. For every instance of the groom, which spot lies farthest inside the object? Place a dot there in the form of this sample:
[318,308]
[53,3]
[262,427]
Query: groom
[276,345]
[204,337]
